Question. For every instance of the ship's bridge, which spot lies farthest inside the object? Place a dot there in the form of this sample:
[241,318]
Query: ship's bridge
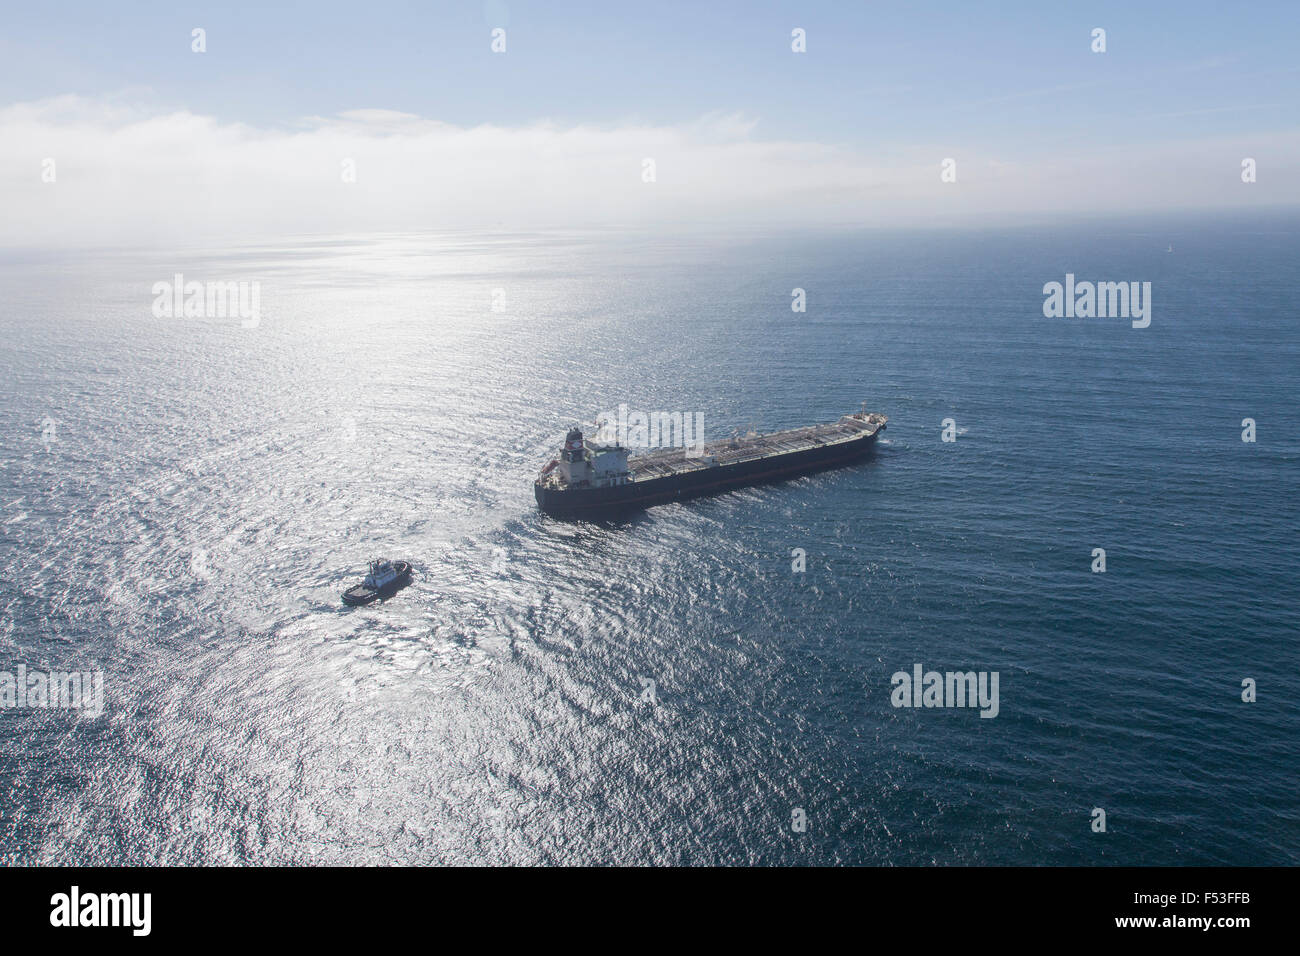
[586,464]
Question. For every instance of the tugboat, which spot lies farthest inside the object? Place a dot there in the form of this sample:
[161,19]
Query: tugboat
[385,579]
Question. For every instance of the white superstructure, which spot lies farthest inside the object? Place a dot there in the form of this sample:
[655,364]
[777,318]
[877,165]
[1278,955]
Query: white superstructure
[584,464]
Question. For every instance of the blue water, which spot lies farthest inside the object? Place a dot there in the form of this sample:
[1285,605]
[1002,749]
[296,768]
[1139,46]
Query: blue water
[208,490]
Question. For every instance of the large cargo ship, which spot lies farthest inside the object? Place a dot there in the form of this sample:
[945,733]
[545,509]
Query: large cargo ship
[594,479]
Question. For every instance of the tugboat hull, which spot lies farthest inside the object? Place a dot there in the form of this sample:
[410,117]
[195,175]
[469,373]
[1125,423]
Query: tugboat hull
[360,594]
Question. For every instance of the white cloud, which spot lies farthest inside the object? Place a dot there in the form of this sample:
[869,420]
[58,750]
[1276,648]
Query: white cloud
[131,175]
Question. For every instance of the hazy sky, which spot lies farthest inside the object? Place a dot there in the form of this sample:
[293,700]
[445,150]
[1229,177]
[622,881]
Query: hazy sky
[149,138]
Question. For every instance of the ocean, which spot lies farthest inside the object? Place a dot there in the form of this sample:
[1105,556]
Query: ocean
[182,500]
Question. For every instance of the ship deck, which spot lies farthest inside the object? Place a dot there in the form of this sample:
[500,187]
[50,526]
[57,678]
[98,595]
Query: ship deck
[675,461]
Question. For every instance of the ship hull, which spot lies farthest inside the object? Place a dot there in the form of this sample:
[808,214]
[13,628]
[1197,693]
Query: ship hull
[635,495]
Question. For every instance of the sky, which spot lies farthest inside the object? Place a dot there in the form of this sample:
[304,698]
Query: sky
[149,138]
